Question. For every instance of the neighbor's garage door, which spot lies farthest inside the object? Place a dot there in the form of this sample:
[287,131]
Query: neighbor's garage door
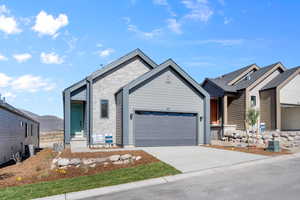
[165,129]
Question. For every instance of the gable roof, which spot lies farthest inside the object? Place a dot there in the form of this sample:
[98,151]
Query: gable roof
[256,75]
[111,66]
[278,80]
[164,65]
[228,78]
[12,109]
[225,82]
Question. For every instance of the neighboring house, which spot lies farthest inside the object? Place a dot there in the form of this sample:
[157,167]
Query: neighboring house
[138,103]
[17,131]
[253,87]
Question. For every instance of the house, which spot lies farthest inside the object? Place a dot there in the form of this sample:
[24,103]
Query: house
[138,103]
[17,132]
[272,90]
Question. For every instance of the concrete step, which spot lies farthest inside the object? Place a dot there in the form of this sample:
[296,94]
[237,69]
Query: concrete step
[78,143]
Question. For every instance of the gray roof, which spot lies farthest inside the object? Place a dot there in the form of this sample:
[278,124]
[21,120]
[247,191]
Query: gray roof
[112,65]
[254,77]
[280,78]
[223,81]
[12,109]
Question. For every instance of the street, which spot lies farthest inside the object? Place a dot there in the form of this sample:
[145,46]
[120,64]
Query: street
[278,180]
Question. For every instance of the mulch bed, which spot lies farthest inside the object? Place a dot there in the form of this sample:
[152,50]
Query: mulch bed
[37,169]
[254,150]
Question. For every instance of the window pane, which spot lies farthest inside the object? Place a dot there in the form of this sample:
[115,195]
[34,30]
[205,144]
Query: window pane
[104,108]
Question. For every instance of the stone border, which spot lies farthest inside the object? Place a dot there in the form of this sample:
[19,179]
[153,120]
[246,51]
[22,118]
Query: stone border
[162,180]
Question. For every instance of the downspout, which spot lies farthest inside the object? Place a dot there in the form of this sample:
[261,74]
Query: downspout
[89,109]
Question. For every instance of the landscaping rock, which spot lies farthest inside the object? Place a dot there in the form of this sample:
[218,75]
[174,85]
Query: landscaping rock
[126,161]
[292,134]
[275,134]
[105,164]
[125,157]
[63,162]
[119,162]
[92,165]
[100,160]
[138,158]
[114,158]
[75,161]
[88,161]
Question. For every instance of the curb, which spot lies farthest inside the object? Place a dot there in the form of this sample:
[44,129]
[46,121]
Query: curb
[162,180]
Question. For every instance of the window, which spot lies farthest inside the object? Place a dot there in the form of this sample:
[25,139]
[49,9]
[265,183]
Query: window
[31,129]
[26,130]
[253,101]
[104,108]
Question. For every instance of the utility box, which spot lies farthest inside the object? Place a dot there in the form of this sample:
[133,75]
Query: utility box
[273,146]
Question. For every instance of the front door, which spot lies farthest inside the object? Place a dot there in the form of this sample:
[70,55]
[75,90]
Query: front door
[77,120]
[213,111]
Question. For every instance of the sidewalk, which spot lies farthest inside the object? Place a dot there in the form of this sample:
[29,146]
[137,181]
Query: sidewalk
[164,180]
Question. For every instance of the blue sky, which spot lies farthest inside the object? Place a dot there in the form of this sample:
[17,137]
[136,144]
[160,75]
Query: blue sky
[45,46]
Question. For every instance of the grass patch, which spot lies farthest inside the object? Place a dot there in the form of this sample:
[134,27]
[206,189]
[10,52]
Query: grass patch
[115,177]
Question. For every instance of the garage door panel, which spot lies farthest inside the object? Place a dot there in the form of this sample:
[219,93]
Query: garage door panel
[165,129]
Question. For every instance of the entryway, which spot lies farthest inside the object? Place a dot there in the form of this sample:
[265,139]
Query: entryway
[77,120]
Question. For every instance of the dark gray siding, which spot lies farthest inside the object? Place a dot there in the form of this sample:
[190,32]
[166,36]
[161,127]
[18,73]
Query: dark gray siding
[12,134]
[119,116]
[167,91]
[268,108]
[236,110]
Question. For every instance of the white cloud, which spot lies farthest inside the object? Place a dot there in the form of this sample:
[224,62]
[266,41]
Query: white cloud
[25,83]
[106,52]
[51,58]
[99,45]
[160,2]
[22,57]
[227,20]
[2,57]
[4,9]
[4,80]
[220,42]
[222,2]
[30,83]
[9,25]
[199,10]
[174,26]
[46,24]
[143,34]
[166,4]
[9,95]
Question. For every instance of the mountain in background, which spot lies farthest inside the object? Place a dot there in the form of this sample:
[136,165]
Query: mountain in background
[48,123]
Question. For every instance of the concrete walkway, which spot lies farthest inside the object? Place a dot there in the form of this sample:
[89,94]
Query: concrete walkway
[195,158]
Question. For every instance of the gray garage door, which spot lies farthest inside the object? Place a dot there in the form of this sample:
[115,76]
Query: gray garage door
[165,129]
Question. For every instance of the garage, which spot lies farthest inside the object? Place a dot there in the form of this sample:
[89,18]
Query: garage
[290,116]
[163,107]
[165,129]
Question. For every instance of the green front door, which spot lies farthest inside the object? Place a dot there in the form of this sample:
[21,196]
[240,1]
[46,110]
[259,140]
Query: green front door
[77,120]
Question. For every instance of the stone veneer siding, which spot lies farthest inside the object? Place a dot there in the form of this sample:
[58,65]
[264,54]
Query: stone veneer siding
[106,87]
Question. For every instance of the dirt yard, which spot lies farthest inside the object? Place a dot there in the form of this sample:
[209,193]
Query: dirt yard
[38,168]
[254,150]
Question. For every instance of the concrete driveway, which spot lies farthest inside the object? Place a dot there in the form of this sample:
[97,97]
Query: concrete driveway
[195,158]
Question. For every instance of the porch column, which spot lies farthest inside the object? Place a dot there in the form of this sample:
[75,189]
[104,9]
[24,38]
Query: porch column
[67,116]
[225,117]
